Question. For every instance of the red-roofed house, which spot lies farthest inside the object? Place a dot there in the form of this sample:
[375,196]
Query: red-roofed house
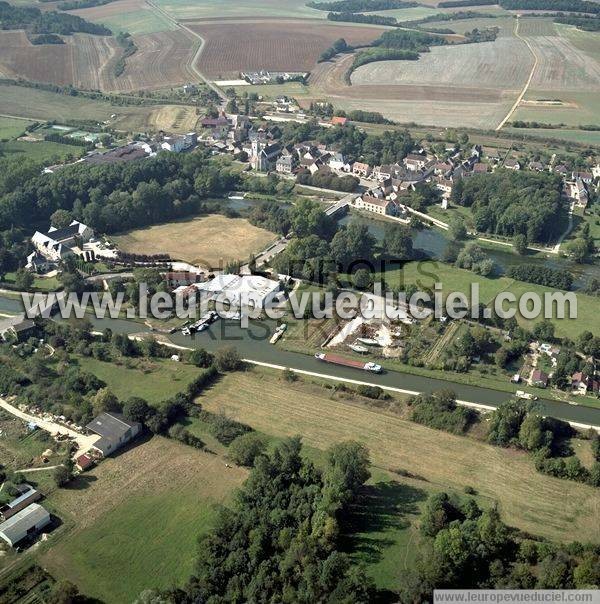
[337,120]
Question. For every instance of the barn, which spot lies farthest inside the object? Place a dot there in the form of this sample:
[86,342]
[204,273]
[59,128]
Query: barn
[28,521]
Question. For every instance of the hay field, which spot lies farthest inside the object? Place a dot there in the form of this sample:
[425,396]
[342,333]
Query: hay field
[83,60]
[133,16]
[136,517]
[284,45]
[526,499]
[210,240]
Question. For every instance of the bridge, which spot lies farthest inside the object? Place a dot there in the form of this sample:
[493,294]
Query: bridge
[339,208]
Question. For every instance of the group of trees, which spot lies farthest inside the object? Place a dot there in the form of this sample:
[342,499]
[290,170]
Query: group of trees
[574,6]
[359,6]
[36,21]
[466,546]
[355,144]
[129,48]
[109,197]
[510,203]
[542,275]
[439,410]
[327,179]
[519,424]
[280,539]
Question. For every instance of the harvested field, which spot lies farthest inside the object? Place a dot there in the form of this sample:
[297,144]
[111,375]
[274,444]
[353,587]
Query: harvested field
[211,240]
[526,499]
[460,66]
[143,511]
[161,61]
[439,104]
[133,16]
[231,47]
[83,61]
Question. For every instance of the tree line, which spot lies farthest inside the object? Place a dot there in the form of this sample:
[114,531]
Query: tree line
[359,6]
[36,21]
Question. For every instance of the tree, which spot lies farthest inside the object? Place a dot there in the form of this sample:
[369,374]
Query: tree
[458,228]
[520,243]
[397,242]
[361,278]
[62,475]
[532,435]
[350,463]
[61,219]
[23,279]
[105,400]
[64,592]
[544,330]
[246,448]
[137,409]
[200,357]
[228,359]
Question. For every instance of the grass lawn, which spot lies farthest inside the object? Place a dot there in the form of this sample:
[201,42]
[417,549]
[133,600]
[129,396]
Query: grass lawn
[43,151]
[39,283]
[136,22]
[293,89]
[211,241]
[155,379]
[12,127]
[132,523]
[526,499]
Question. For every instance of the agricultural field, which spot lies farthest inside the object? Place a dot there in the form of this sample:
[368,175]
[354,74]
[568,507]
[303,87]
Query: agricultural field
[133,16]
[162,60]
[144,510]
[42,105]
[531,501]
[589,137]
[11,127]
[199,240]
[216,9]
[42,151]
[234,46]
[83,61]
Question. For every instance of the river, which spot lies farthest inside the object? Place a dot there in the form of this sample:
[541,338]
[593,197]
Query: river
[253,343]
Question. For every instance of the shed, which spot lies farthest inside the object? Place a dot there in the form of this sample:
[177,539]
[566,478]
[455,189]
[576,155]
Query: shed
[28,495]
[28,521]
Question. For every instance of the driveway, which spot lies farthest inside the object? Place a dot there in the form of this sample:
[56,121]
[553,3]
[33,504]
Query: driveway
[84,442]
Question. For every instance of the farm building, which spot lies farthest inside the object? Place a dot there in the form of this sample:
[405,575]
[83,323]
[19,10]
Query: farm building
[26,496]
[28,521]
[114,431]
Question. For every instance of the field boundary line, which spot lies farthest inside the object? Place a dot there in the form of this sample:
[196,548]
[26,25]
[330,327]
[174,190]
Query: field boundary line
[197,52]
[527,84]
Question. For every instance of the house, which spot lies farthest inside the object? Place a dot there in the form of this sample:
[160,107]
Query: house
[596,171]
[22,330]
[27,495]
[36,263]
[337,120]
[284,164]
[480,168]
[382,173]
[57,244]
[114,431]
[444,185]
[586,177]
[492,154]
[561,169]
[582,383]
[539,378]
[441,168]
[415,162]
[177,279]
[337,161]
[370,203]
[579,193]
[361,170]
[28,522]
[536,166]
[177,144]
[512,164]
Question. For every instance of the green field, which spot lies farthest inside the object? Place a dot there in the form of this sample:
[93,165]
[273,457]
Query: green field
[579,107]
[12,127]
[211,9]
[42,105]
[39,283]
[588,137]
[526,499]
[138,22]
[155,380]
[132,523]
[42,151]
[293,89]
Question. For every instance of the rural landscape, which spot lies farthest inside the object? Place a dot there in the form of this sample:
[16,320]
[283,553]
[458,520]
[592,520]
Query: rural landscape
[299,301]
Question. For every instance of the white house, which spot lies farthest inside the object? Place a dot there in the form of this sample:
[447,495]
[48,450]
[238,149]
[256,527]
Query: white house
[378,206]
[57,244]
